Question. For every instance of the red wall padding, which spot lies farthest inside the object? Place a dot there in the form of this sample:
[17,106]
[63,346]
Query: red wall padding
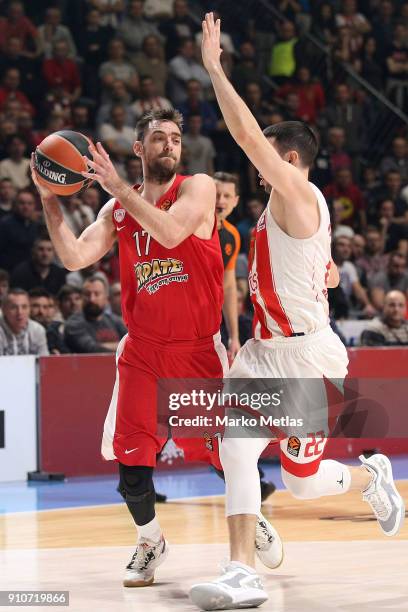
[75,392]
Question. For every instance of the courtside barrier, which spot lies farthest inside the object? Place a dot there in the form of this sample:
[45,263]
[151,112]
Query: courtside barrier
[75,391]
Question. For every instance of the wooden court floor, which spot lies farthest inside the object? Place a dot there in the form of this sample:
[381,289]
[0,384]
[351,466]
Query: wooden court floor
[336,558]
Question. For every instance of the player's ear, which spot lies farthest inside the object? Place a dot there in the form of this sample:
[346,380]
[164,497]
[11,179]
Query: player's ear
[138,148]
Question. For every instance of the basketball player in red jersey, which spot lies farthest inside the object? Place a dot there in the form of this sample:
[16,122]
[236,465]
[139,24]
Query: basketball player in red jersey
[171,276]
[289,272]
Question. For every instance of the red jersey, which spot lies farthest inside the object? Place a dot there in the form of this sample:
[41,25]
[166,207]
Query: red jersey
[169,295]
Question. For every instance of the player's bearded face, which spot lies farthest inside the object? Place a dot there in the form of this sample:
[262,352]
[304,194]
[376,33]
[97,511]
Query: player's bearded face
[162,152]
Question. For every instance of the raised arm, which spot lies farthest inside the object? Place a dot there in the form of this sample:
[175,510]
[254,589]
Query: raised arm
[193,209]
[94,242]
[284,177]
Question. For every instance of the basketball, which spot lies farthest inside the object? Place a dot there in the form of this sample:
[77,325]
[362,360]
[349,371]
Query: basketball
[58,162]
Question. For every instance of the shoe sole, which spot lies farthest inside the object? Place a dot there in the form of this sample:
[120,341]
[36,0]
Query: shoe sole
[401,515]
[209,597]
[138,583]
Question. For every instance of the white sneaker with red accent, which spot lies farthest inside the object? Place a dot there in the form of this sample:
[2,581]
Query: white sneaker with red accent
[147,557]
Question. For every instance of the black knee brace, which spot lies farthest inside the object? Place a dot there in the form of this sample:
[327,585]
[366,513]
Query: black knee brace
[137,489]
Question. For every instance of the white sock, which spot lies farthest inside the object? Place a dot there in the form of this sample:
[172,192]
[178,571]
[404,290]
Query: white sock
[151,530]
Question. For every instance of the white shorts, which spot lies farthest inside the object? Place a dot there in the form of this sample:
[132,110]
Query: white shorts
[320,356]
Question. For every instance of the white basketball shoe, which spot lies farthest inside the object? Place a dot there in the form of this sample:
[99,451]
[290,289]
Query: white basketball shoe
[268,544]
[238,587]
[382,495]
[147,557]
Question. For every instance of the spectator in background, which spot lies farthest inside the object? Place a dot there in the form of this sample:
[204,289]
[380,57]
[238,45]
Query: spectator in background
[134,170]
[13,57]
[110,11]
[18,334]
[383,25]
[373,260]
[69,302]
[258,107]
[18,25]
[76,214]
[254,209]
[392,231]
[346,114]
[18,231]
[10,91]
[115,299]
[148,98]
[336,147]
[283,57]
[91,198]
[150,62]
[391,329]
[397,66]
[343,188]
[117,68]
[16,167]
[182,69]
[389,189]
[196,105]
[358,246]
[310,93]
[61,73]
[200,149]
[179,27]
[80,120]
[7,195]
[78,278]
[324,23]
[4,285]
[52,31]
[92,47]
[40,310]
[338,213]
[121,96]
[92,330]
[117,137]
[246,68]
[39,270]
[349,280]
[134,28]
[158,9]
[351,18]
[371,67]
[395,277]
[398,160]
[348,47]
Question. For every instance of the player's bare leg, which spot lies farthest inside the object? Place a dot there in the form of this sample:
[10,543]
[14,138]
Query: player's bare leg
[242,535]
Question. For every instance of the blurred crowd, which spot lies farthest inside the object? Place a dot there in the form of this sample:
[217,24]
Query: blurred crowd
[95,66]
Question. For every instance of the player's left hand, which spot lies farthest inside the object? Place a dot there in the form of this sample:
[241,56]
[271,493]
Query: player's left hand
[211,43]
[104,171]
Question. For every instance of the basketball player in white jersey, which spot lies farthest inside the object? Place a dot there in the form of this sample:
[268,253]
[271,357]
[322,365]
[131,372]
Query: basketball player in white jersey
[290,270]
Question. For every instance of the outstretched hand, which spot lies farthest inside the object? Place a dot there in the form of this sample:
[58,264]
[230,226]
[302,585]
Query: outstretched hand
[103,170]
[211,43]
[43,190]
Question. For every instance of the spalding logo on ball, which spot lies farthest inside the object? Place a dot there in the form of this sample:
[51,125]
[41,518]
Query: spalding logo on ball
[58,162]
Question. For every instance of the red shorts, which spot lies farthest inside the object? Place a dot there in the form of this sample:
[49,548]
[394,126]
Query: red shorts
[131,423]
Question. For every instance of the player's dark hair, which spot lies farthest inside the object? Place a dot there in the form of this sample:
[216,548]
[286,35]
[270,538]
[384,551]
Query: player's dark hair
[226,177]
[37,292]
[4,276]
[163,114]
[294,136]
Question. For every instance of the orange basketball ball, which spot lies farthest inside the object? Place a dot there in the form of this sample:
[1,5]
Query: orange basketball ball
[58,162]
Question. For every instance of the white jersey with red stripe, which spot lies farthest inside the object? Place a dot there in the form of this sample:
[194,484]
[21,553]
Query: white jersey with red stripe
[288,277]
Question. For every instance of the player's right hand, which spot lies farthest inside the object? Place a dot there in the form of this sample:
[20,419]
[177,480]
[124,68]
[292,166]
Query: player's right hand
[43,190]
[211,43]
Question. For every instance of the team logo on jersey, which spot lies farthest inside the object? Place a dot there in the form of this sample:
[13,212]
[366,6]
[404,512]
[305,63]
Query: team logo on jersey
[119,215]
[208,441]
[294,446]
[154,274]
[166,205]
